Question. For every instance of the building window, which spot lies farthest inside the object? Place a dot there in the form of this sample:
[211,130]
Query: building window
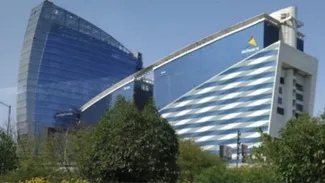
[279,100]
[145,87]
[294,82]
[282,80]
[299,97]
[300,107]
[299,87]
[294,92]
[280,111]
[280,90]
[294,103]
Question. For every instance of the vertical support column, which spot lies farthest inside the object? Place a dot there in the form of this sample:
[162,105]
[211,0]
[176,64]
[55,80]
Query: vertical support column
[288,33]
[288,94]
[309,94]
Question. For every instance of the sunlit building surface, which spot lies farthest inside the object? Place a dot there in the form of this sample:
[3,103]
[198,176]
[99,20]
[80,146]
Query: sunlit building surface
[65,62]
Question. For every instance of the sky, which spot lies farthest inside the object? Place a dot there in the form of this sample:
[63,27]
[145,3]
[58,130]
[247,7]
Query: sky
[155,28]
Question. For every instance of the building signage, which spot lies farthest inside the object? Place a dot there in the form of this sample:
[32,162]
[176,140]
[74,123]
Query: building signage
[252,47]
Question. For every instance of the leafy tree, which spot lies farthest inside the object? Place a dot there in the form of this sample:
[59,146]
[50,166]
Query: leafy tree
[129,145]
[193,160]
[53,157]
[299,155]
[216,174]
[253,174]
[8,156]
[33,163]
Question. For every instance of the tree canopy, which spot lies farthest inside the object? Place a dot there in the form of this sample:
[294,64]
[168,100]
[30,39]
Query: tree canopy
[128,145]
[299,155]
[192,160]
[8,156]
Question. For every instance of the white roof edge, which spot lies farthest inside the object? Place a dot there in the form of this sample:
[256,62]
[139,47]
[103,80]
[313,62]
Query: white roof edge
[104,94]
[214,37]
[192,47]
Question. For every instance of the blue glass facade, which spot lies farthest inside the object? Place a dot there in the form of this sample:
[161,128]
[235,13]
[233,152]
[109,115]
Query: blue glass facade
[65,62]
[210,93]
[138,91]
[179,76]
[238,98]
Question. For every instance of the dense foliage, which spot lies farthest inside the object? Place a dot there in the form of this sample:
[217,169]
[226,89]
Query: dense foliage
[243,174]
[129,145]
[299,155]
[8,156]
[193,160]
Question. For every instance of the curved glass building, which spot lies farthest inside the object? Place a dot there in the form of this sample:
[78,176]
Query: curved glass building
[250,76]
[65,62]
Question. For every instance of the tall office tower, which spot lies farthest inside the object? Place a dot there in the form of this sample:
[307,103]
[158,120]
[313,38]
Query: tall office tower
[250,76]
[65,61]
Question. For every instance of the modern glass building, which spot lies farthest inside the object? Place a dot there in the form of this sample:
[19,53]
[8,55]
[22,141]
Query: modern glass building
[138,91]
[65,62]
[250,76]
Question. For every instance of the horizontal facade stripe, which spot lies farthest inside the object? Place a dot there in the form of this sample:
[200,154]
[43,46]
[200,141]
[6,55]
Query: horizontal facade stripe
[264,53]
[249,67]
[221,122]
[221,133]
[209,100]
[219,102]
[238,79]
[244,63]
[223,104]
[248,134]
[267,77]
[240,76]
[245,133]
[222,117]
[228,91]
[228,141]
[257,60]
[212,128]
[220,112]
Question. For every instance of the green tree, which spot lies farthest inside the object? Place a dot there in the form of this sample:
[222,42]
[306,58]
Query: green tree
[193,160]
[253,174]
[8,156]
[50,157]
[243,174]
[218,174]
[36,159]
[129,145]
[299,155]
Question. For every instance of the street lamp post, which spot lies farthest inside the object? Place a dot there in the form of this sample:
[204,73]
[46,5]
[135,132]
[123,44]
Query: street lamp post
[9,113]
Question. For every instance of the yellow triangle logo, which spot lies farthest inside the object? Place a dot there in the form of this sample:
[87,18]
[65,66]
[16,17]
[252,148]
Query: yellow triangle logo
[252,41]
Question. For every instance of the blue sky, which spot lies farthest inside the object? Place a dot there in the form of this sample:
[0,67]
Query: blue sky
[155,28]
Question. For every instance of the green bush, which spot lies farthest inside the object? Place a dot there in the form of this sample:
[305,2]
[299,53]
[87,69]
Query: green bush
[193,160]
[8,156]
[128,145]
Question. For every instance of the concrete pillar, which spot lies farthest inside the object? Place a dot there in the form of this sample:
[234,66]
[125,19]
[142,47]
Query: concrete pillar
[288,94]
[288,32]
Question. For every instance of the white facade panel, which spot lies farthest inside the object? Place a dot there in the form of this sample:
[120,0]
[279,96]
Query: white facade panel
[299,72]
